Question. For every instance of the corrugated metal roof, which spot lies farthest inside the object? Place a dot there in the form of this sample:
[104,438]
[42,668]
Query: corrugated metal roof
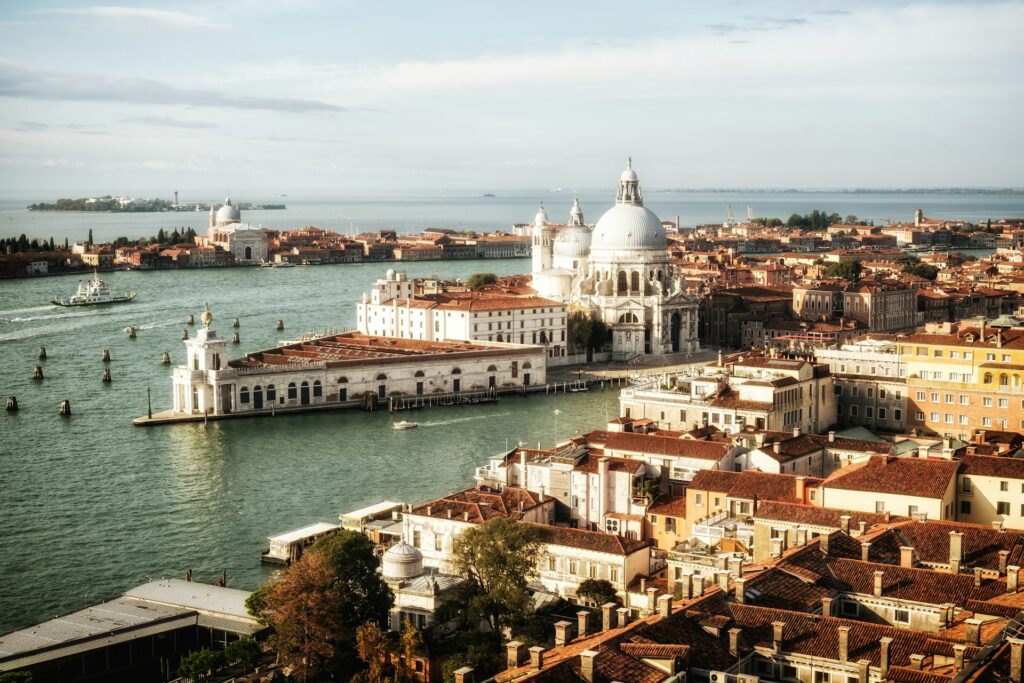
[201,597]
[304,532]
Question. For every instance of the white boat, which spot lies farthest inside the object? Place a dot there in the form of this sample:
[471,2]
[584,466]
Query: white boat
[405,425]
[94,292]
[284,264]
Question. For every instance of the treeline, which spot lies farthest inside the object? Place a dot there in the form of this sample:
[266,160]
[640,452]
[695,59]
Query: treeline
[815,220]
[176,236]
[22,244]
[105,204]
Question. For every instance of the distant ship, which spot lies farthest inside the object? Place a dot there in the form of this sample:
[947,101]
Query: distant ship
[94,292]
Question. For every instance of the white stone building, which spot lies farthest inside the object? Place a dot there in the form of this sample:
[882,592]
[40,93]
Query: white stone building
[393,309]
[620,271]
[248,244]
[348,369]
[419,594]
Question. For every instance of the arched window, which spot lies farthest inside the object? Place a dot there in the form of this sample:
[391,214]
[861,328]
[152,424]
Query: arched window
[343,380]
[492,368]
[498,338]
[527,365]
[622,281]
[635,281]
[628,318]
[419,373]
[456,371]
[988,378]
[381,377]
[271,393]
[318,390]
[1004,380]
[292,391]
[243,395]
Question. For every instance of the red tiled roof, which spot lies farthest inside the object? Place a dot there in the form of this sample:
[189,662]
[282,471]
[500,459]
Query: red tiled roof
[751,484]
[632,442]
[817,516]
[479,505]
[992,466]
[597,541]
[901,476]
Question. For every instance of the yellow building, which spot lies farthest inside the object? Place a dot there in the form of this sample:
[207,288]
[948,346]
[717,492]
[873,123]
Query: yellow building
[964,380]
[667,520]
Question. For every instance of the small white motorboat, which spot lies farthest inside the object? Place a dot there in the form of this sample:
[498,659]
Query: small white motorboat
[402,424]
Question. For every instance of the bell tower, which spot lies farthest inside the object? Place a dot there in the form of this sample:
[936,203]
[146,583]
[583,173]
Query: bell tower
[542,242]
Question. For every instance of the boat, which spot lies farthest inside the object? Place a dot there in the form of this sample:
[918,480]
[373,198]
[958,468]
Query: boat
[405,425]
[94,292]
[284,264]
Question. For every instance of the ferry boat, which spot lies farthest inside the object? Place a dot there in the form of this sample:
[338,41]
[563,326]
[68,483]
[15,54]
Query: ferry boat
[405,425]
[94,292]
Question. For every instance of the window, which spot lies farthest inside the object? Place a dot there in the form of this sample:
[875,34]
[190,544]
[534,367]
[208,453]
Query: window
[986,401]
[879,506]
[1004,486]
[920,396]
[670,525]
[965,507]
[986,422]
[881,413]
[911,510]
[897,414]
[271,393]
[592,571]
[416,538]
[551,563]
[243,395]
[871,393]
[292,391]
[853,411]
[937,353]
[881,393]
[964,400]
[613,574]
[949,398]
[868,411]
[902,616]
[1004,403]
[1002,508]
[934,417]
[318,389]
[437,542]
[963,419]
[965,485]
[848,608]
[698,499]
[935,395]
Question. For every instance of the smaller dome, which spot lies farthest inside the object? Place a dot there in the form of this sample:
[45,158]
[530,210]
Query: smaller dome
[402,561]
[542,217]
[206,317]
[574,242]
[629,175]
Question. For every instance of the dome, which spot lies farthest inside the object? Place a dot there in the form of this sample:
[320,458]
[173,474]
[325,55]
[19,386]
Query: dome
[402,561]
[574,242]
[626,227]
[228,213]
[542,217]
[629,175]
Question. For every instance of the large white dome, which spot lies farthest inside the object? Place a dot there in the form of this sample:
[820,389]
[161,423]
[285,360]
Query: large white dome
[229,213]
[626,227]
[573,242]
[402,561]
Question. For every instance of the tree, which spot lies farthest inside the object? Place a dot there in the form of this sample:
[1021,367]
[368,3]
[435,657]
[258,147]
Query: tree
[383,665]
[17,677]
[847,269]
[90,237]
[303,609]
[244,652]
[364,597]
[479,650]
[928,272]
[256,604]
[500,557]
[480,280]
[597,591]
[66,243]
[200,665]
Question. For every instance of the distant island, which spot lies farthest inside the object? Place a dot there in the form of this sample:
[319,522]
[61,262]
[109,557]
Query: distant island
[109,204]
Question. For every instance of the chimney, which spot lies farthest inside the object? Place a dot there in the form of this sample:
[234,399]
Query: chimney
[698,585]
[958,657]
[844,643]
[831,437]
[1016,646]
[623,615]
[906,556]
[973,632]
[515,653]
[800,486]
[736,566]
[643,584]
[777,628]
[652,598]
[665,606]
[741,590]
[606,616]
[922,452]
[844,523]
[801,536]
[865,551]
[723,580]
[916,662]
[449,513]
[734,641]
[883,656]
[563,633]
[879,575]
[536,658]
[464,675]
[956,552]
[465,516]
[777,446]
[862,670]
[429,510]
[862,527]
[1004,555]
[997,524]
[587,658]
[977,577]
[823,543]
[826,607]
[796,432]
[583,622]
[685,587]
[1011,578]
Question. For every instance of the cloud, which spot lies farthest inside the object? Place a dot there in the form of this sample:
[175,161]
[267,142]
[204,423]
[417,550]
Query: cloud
[36,84]
[141,16]
[166,122]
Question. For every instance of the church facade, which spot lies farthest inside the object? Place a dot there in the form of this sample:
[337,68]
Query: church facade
[248,244]
[619,270]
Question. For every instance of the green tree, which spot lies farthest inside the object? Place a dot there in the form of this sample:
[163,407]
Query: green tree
[364,597]
[200,665]
[256,604]
[90,237]
[597,591]
[244,652]
[383,664]
[928,272]
[479,650]
[478,281]
[17,677]
[848,269]
[499,557]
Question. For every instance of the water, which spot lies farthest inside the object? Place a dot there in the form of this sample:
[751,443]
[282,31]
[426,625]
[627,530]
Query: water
[92,506]
[349,213]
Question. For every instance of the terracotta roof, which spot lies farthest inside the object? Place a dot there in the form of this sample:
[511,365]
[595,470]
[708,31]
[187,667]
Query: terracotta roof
[992,466]
[670,506]
[479,505]
[751,484]
[632,442]
[817,516]
[597,541]
[901,476]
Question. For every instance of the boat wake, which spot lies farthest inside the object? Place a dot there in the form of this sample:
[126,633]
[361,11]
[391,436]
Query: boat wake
[442,423]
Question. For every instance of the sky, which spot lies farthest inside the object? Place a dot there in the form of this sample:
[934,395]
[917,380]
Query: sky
[346,95]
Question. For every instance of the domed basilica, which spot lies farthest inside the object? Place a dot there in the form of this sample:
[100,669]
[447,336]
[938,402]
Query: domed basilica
[248,244]
[619,271]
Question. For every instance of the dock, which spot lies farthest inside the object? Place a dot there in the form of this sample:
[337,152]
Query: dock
[289,546]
